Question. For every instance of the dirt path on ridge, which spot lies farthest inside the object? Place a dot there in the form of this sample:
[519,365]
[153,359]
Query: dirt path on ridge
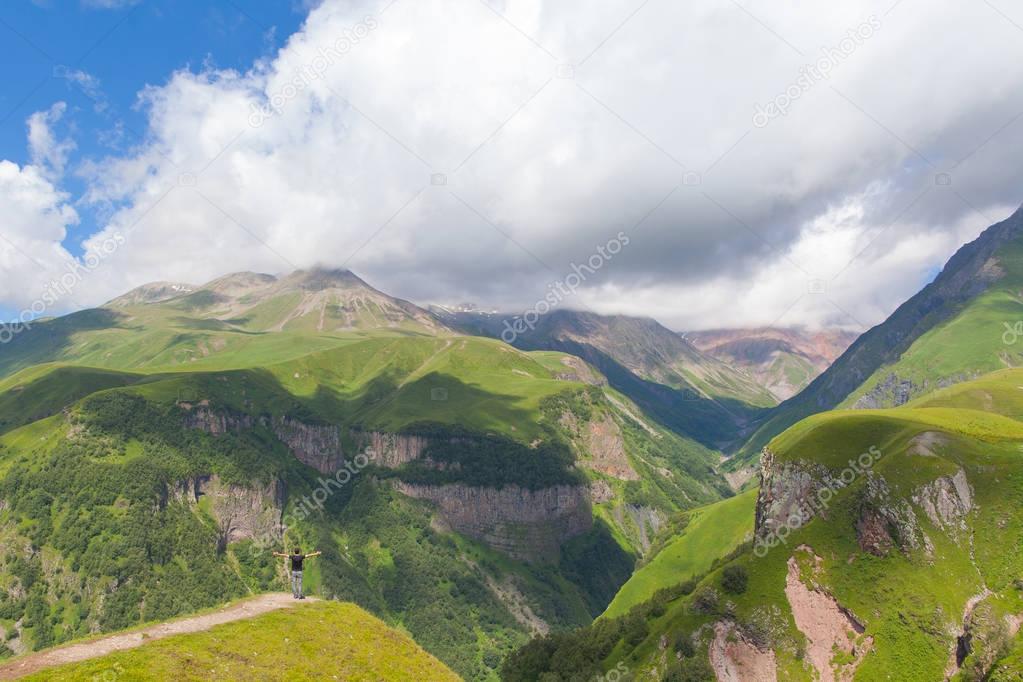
[83,651]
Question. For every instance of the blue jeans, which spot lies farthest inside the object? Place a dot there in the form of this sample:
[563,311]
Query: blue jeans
[296,584]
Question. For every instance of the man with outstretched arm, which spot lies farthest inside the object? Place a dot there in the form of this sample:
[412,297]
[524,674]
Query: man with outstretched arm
[296,569]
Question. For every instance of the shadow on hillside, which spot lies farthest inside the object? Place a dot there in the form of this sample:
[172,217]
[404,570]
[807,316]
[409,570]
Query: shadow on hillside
[714,423]
[382,403]
[214,325]
[50,393]
[49,340]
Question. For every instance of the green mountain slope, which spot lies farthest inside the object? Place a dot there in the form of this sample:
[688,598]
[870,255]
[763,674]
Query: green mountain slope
[467,490]
[239,320]
[950,331]
[689,391]
[710,533]
[888,546]
[326,640]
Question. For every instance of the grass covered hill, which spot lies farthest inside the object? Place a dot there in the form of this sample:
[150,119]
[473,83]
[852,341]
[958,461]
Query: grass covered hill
[690,548]
[149,460]
[314,641]
[906,564]
[958,327]
[239,320]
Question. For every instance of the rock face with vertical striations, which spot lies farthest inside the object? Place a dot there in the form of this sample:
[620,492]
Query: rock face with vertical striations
[241,512]
[530,525]
[392,450]
[215,422]
[318,445]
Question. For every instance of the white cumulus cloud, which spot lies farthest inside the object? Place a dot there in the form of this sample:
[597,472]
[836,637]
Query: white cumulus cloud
[453,150]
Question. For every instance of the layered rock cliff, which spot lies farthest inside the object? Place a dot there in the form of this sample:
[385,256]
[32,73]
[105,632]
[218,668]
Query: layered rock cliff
[794,492]
[529,525]
[318,445]
[791,493]
[392,450]
[216,422]
[241,512]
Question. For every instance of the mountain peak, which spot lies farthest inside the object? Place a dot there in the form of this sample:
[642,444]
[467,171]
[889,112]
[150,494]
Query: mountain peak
[319,279]
[153,292]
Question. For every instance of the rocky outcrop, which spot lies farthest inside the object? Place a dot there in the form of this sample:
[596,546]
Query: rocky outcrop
[216,422]
[319,446]
[829,628]
[241,512]
[641,523]
[525,524]
[601,492]
[606,450]
[577,370]
[885,522]
[392,450]
[946,501]
[792,493]
[893,390]
[735,659]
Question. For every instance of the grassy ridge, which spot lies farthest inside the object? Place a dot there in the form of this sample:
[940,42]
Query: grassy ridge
[981,338]
[84,485]
[309,642]
[958,327]
[711,533]
[910,599]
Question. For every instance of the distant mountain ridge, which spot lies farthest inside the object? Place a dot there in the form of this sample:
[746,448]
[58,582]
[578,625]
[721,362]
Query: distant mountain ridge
[688,390]
[321,299]
[782,359]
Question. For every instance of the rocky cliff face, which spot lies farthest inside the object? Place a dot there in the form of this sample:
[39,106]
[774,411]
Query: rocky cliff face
[606,449]
[202,417]
[318,445]
[639,523]
[392,450]
[893,391]
[529,525]
[791,493]
[241,513]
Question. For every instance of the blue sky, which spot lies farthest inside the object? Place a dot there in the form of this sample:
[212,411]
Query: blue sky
[49,44]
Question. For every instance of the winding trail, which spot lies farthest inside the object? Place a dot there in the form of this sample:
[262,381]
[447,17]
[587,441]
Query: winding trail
[83,651]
